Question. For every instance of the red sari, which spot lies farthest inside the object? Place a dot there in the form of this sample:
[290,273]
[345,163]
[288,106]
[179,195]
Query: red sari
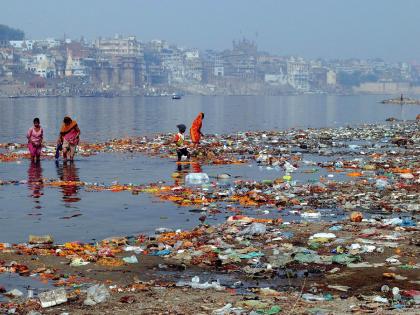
[195,130]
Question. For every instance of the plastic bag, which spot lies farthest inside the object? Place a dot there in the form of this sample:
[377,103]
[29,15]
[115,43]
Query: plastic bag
[254,229]
[96,294]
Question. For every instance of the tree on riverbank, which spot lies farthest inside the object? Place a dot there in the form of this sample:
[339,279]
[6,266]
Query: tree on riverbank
[7,33]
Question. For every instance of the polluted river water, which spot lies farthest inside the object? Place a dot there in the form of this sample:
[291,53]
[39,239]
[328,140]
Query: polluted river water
[278,185]
[99,215]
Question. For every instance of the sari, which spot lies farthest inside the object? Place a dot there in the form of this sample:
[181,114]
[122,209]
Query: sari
[35,141]
[195,130]
[69,133]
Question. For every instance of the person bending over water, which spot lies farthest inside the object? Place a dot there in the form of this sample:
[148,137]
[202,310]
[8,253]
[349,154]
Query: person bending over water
[195,130]
[69,138]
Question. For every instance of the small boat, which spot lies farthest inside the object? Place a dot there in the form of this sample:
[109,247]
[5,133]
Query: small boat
[176,96]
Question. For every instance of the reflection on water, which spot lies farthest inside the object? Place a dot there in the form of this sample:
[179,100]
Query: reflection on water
[35,183]
[196,167]
[69,173]
[182,169]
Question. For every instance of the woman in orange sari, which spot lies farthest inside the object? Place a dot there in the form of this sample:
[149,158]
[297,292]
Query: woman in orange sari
[69,137]
[195,130]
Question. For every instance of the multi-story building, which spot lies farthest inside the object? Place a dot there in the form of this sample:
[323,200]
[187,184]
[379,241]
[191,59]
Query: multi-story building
[157,45]
[193,66]
[8,61]
[405,69]
[119,46]
[126,62]
[213,66]
[173,62]
[298,74]
[241,61]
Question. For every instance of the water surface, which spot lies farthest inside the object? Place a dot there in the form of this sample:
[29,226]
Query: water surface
[71,213]
[104,118]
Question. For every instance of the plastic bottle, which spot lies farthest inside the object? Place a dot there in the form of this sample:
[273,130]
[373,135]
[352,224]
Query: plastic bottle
[197,179]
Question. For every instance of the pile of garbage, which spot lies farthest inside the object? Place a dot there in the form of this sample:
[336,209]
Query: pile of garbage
[332,257]
[338,221]
[266,147]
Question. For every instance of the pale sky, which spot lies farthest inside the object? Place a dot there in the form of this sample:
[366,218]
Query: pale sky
[388,29]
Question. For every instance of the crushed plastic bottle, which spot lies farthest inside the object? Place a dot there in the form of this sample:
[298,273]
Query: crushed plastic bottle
[197,179]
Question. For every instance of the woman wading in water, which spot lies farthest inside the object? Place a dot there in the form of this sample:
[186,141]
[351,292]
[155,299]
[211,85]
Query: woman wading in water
[69,138]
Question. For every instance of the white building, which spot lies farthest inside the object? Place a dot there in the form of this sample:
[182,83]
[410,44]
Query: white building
[218,66]
[24,45]
[298,74]
[405,70]
[41,65]
[193,67]
[173,63]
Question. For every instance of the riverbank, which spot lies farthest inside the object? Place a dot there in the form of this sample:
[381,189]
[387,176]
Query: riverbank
[156,281]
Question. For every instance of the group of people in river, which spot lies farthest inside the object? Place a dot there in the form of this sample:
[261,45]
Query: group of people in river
[195,135]
[69,137]
[67,141]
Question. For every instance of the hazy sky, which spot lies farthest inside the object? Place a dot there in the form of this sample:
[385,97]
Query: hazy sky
[311,28]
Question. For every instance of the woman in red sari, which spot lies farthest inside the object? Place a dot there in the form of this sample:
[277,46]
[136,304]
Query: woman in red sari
[195,130]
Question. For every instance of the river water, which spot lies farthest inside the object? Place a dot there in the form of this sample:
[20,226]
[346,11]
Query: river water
[104,118]
[71,213]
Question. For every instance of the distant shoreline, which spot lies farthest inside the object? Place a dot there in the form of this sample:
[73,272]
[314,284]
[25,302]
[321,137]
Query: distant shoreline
[408,101]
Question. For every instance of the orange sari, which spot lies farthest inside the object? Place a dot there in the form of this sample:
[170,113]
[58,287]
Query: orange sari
[67,128]
[195,130]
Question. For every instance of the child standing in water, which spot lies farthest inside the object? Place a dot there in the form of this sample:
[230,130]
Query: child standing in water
[35,137]
[179,140]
